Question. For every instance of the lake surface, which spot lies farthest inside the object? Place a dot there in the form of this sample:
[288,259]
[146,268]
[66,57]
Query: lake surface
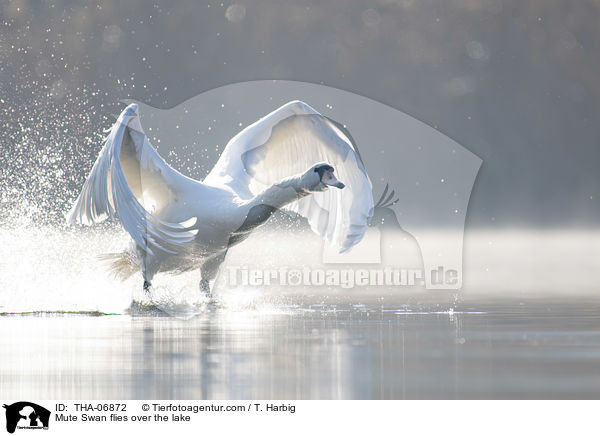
[305,348]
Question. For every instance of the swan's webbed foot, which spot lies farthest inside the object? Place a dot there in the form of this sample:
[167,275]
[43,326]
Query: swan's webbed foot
[205,287]
[147,286]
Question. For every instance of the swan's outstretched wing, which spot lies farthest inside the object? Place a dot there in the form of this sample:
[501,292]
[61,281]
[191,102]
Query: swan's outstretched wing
[131,182]
[287,142]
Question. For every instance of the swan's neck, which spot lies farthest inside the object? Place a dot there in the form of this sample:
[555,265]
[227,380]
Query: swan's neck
[282,193]
[261,208]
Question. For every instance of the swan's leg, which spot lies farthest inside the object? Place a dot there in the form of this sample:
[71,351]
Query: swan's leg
[150,266]
[147,281]
[209,271]
[205,287]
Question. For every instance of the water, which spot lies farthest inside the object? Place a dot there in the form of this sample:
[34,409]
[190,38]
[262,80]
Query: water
[525,326]
[307,348]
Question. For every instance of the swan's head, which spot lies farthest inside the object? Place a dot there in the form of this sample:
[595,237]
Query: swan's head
[320,177]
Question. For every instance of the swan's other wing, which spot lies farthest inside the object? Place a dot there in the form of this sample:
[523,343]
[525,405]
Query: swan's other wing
[287,142]
[131,182]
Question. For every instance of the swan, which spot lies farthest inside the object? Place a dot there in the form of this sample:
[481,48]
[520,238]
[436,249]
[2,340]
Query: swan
[284,161]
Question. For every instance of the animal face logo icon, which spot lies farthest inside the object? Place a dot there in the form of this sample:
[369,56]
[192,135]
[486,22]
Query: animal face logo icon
[422,179]
[24,414]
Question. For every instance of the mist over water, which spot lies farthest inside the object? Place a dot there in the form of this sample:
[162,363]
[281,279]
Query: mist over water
[58,268]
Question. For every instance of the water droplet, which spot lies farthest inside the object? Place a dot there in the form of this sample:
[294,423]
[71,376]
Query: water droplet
[235,13]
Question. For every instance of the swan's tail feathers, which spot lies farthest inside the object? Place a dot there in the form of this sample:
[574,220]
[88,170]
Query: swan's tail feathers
[122,265]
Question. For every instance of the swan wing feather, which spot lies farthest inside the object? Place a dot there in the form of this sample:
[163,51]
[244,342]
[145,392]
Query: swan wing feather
[132,183]
[287,142]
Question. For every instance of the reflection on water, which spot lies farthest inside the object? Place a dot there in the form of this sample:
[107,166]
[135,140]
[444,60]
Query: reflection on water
[312,348]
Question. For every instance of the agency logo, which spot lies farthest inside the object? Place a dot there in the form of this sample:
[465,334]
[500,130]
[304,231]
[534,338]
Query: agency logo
[26,415]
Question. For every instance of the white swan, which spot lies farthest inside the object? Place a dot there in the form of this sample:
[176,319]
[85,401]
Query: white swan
[178,223]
